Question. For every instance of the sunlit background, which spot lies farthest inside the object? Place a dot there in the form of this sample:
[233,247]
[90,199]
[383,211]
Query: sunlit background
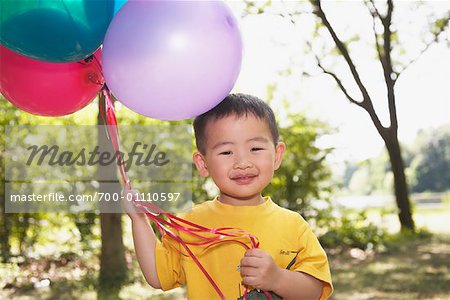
[275,52]
[349,198]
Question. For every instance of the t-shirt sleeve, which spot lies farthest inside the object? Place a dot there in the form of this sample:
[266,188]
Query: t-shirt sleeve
[312,259]
[168,264]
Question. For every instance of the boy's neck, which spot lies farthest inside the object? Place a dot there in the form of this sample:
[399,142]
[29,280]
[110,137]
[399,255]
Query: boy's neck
[251,201]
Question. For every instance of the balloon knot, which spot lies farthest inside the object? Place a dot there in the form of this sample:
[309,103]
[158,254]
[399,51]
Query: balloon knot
[89,58]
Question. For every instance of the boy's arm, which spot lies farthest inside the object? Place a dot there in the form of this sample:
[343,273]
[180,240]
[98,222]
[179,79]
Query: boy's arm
[259,270]
[144,240]
[297,285]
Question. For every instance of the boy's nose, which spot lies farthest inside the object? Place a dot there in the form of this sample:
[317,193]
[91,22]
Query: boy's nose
[242,163]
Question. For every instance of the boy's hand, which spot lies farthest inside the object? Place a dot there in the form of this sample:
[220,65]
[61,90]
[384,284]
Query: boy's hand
[127,203]
[259,270]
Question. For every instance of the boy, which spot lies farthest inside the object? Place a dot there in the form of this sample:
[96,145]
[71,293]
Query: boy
[238,147]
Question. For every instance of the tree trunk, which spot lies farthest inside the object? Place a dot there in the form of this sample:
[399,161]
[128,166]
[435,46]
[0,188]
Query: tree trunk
[5,231]
[113,267]
[400,185]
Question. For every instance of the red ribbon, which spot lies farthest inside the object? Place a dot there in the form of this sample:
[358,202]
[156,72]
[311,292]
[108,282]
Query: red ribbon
[169,224]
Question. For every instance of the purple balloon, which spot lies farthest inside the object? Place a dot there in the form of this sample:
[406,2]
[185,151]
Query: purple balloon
[172,60]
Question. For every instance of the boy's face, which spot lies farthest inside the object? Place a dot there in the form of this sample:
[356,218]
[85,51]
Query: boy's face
[240,157]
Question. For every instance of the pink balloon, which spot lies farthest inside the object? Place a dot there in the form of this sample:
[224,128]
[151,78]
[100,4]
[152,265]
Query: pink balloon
[172,60]
[48,89]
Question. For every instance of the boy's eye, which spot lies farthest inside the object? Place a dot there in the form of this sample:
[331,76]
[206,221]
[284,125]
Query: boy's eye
[225,153]
[254,149]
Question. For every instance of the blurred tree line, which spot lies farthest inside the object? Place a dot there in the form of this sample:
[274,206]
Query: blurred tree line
[427,161]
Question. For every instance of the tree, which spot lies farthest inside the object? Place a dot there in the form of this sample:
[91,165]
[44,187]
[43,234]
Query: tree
[7,116]
[432,162]
[113,267]
[304,174]
[386,41]
[384,37]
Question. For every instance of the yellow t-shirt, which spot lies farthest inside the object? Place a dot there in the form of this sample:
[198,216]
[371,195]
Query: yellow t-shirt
[281,233]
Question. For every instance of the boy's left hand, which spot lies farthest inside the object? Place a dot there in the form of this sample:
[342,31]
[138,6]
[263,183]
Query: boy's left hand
[259,270]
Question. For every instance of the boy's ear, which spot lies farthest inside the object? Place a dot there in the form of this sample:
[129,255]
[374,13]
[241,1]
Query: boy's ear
[279,151]
[200,164]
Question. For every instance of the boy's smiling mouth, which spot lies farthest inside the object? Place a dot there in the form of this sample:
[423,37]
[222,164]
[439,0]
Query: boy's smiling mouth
[243,178]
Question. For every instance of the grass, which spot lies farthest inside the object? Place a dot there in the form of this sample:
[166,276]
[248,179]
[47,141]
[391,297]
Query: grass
[434,219]
[408,269]
[74,277]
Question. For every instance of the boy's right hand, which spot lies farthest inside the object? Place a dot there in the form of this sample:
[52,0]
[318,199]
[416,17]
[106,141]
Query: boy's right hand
[127,203]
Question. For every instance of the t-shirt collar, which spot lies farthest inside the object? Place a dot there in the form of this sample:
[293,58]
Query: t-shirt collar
[241,209]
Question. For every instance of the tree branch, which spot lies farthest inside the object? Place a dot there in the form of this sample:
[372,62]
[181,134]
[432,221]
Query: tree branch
[375,11]
[340,45]
[366,104]
[375,14]
[339,83]
[386,62]
[384,56]
[427,46]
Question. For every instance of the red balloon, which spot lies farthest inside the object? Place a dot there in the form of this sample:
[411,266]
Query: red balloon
[48,89]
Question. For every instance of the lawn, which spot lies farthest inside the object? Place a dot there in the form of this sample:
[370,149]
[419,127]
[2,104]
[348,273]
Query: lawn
[411,269]
[407,268]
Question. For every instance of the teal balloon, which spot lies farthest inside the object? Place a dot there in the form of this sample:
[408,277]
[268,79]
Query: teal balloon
[118,4]
[55,30]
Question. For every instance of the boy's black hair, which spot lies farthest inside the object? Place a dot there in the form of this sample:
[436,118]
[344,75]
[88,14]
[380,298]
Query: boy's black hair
[238,105]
